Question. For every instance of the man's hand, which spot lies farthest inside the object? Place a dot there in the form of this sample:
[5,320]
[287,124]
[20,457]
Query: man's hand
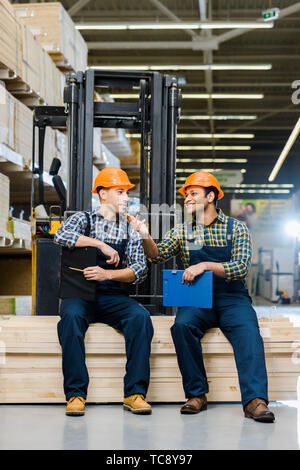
[95,273]
[192,272]
[113,255]
[138,225]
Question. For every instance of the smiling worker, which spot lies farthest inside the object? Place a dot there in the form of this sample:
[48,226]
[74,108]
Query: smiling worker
[223,245]
[121,258]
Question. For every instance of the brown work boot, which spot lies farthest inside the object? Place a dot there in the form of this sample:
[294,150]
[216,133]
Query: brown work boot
[137,405]
[75,406]
[258,410]
[194,405]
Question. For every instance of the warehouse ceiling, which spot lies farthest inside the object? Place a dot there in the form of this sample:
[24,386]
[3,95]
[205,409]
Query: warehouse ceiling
[271,118]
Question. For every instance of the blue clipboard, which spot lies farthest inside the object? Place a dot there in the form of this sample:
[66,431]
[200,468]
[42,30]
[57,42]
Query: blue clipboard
[176,294]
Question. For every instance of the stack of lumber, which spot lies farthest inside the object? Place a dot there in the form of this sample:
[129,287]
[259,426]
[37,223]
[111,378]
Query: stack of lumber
[9,33]
[31,362]
[26,67]
[4,205]
[16,122]
[56,32]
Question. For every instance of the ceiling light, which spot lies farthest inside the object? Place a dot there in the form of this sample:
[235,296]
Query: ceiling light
[173,25]
[268,186]
[285,151]
[203,136]
[212,160]
[220,117]
[243,170]
[213,147]
[260,191]
[202,96]
[215,136]
[192,170]
[226,96]
[184,67]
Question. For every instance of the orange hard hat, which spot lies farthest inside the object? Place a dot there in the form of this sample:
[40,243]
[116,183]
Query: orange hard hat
[204,179]
[112,177]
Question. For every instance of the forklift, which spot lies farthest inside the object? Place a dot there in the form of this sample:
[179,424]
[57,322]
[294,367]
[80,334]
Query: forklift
[155,115]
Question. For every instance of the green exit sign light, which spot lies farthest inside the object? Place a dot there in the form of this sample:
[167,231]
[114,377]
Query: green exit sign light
[270,14]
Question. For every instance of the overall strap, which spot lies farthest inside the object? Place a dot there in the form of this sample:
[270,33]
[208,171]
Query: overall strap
[88,226]
[229,234]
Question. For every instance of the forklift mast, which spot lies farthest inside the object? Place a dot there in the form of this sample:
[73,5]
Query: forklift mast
[155,115]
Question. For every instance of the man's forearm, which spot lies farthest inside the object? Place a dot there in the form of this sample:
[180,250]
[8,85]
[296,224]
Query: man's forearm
[217,268]
[83,241]
[122,275]
[150,247]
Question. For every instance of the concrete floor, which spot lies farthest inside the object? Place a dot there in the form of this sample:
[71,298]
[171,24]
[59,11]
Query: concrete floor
[109,427]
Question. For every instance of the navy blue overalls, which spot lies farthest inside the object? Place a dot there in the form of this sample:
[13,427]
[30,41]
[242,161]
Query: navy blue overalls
[233,313]
[114,307]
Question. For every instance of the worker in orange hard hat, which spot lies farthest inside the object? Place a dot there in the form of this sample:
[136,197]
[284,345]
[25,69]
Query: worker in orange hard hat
[218,243]
[120,259]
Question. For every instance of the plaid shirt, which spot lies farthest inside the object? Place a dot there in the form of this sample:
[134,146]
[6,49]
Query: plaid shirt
[108,232]
[176,241]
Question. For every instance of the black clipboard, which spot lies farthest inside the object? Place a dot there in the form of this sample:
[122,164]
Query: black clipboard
[73,283]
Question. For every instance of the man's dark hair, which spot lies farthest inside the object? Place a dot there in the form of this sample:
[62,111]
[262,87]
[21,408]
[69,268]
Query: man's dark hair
[214,190]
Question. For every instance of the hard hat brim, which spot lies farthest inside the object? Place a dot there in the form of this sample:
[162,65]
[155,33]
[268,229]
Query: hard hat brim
[124,186]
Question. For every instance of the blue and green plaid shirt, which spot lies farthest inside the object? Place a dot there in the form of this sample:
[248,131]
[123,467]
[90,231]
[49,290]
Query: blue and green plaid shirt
[107,231]
[176,241]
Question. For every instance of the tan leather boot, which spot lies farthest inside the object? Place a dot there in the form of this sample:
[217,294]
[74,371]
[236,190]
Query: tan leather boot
[75,406]
[194,405]
[257,409]
[137,405]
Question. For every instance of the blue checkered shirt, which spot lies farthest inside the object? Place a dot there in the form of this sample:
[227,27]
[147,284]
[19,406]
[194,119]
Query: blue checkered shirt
[108,232]
[176,241]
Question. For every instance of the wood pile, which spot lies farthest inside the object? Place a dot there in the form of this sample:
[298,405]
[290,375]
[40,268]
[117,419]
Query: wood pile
[29,72]
[31,362]
[4,205]
[56,32]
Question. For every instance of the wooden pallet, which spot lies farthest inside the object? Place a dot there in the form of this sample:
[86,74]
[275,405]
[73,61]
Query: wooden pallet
[31,362]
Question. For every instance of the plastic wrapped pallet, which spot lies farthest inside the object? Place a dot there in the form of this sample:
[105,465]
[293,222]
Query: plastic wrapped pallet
[20,229]
[97,143]
[117,142]
[9,52]
[4,204]
[56,32]
[109,158]
[15,305]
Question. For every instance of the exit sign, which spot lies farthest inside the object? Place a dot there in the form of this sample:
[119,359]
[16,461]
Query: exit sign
[270,14]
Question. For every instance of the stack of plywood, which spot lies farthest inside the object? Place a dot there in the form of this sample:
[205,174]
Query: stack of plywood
[30,73]
[15,125]
[9,50]
[31,368]
[4,205]
[56,32]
